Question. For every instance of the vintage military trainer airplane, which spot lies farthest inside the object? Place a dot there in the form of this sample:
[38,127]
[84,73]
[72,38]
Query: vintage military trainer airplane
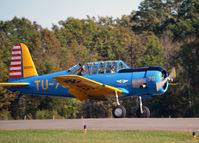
[94,80]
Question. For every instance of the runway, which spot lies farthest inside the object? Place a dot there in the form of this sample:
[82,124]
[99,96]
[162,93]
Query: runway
[175,124]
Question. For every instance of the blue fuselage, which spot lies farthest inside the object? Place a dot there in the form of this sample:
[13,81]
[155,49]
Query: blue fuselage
[139,82]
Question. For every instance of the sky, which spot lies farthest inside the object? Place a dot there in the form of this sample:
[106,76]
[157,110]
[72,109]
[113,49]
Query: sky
[48,12]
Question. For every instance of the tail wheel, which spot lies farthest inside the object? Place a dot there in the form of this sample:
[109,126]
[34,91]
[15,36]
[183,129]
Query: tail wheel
[119,112]
[145,114]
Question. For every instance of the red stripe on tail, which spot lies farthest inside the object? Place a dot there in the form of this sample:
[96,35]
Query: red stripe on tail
[16,60]
[15,50]
[15,55]
[15,71]
[15,76]
[19,65]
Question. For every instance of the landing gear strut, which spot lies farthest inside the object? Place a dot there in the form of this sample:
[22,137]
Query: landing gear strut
[119,111]
[142,111]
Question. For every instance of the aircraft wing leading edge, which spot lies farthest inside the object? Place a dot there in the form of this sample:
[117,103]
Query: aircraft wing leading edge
[13,84]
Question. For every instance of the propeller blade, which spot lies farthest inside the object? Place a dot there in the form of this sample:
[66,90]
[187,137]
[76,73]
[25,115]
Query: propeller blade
[157,86]
[162,83]
[172,74]
[173,84]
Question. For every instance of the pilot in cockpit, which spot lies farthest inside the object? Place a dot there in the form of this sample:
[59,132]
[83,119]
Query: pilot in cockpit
[81,70]
[113,69]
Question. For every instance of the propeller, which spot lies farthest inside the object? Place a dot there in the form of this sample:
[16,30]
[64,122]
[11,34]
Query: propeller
[164,80]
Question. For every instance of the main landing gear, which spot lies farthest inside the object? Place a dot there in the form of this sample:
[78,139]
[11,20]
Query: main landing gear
[143,111]
[120,112]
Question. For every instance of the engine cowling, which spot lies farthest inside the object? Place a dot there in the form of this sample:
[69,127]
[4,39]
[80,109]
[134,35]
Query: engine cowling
[146,81]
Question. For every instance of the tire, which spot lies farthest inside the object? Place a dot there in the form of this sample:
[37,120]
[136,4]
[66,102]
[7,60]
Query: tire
[145,114]
[119,112]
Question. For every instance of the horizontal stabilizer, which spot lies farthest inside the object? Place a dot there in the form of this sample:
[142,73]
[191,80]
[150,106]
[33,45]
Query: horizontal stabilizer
[13,84]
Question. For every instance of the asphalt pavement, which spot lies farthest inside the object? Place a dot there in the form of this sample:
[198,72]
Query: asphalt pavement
[178,124]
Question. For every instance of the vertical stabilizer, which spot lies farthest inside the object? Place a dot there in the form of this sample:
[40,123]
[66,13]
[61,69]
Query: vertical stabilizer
[21,63]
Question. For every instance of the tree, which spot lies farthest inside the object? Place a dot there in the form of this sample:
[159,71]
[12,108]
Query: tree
[190,62]
[153,56]
[186,22]
[153,15]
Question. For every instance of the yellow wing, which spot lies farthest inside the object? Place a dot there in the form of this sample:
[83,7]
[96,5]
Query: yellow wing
[83,88]
[13,84]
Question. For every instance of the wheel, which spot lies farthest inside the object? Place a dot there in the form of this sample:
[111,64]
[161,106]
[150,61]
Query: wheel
[145,114]
[119,112]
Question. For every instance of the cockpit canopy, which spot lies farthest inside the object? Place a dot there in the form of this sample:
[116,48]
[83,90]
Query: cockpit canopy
[101,67]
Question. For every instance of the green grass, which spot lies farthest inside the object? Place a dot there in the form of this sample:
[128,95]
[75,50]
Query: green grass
[93,136]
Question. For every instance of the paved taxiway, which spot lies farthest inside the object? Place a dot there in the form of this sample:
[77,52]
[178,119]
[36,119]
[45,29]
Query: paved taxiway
[184,124]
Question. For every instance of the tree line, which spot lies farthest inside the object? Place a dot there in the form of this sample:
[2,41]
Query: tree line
[160,33]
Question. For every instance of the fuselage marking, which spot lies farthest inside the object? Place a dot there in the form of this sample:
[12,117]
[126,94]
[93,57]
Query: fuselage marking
[44,84]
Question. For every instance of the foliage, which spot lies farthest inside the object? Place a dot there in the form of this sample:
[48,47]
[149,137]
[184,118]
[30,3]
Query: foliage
[71,108]
[95,109]
[5,115]
[161,33]
[153,56]
[45,114]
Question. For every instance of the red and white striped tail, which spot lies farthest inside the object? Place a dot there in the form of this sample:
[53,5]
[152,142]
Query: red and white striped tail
[16,64]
